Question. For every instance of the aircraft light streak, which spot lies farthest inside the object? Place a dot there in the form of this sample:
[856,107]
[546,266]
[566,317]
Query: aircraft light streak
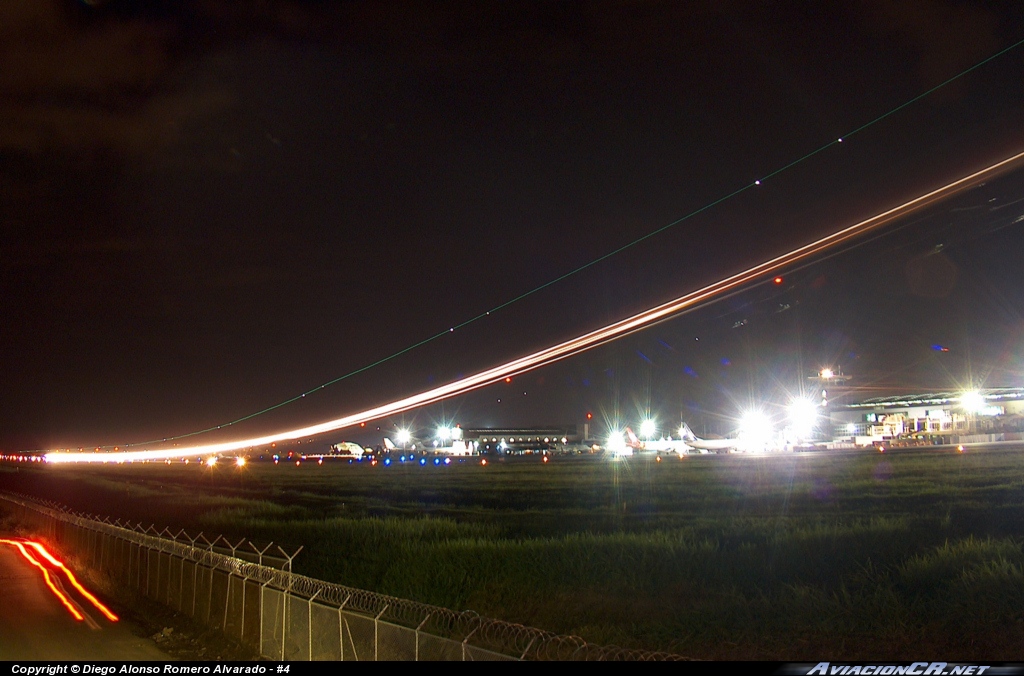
[571,347]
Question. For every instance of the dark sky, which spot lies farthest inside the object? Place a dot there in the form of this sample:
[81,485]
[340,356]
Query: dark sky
[210,207]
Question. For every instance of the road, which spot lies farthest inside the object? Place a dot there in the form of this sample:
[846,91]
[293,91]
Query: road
[35,624]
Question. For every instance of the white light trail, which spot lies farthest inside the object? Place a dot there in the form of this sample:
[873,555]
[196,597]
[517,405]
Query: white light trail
[570,347]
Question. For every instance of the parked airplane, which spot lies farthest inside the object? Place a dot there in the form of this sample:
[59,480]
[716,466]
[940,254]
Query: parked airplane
[348,448]
[663,445]
[458,447]
[691,440]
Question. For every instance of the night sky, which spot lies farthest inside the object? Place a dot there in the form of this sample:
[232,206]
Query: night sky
[211,207]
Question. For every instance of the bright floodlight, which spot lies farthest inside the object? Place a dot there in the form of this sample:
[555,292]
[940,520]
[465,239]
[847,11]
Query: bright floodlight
[756,429]
[403,436]
[803,415]
[240,461]
[617,443]
[972,401]
[456,433]
[647,429]
[211,461]
[826,373]
[851,428]
[443,433]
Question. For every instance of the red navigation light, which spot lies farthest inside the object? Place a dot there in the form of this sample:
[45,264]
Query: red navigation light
[777,280]
[590,416]
[508,380]
[362,424]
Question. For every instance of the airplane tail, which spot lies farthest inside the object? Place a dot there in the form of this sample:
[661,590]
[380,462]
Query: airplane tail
[388,444]
[687,433]
[633,441]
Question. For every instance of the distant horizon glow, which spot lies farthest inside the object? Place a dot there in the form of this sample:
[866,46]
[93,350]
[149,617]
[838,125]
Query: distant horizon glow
[568,348]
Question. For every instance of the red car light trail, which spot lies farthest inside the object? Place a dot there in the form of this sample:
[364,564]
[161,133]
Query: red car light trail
[41,550]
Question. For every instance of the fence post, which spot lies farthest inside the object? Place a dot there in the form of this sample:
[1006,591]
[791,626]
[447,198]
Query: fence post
[376,620]
[227,592]
[138,566]
[241,625]
[466,639]
[136,553]
[309,623]
[227,603]
[209,603]
[195,574]
[418,628]
[181,574]
[259,553]
[262,616]
[289,558]
[341,625]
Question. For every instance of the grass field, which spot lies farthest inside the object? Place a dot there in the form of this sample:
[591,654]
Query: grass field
[789,557]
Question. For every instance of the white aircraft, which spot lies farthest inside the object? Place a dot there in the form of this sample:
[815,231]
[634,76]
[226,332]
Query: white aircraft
[691,440]
[663,445]
[348,448]
[458,447]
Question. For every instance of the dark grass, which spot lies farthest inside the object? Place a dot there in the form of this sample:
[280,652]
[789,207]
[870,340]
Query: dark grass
[851,555]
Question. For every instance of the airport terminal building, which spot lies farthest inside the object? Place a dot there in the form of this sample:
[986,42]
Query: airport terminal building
[519,440]
[980,415]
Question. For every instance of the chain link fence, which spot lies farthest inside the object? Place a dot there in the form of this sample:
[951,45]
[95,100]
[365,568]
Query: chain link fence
[288,616]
